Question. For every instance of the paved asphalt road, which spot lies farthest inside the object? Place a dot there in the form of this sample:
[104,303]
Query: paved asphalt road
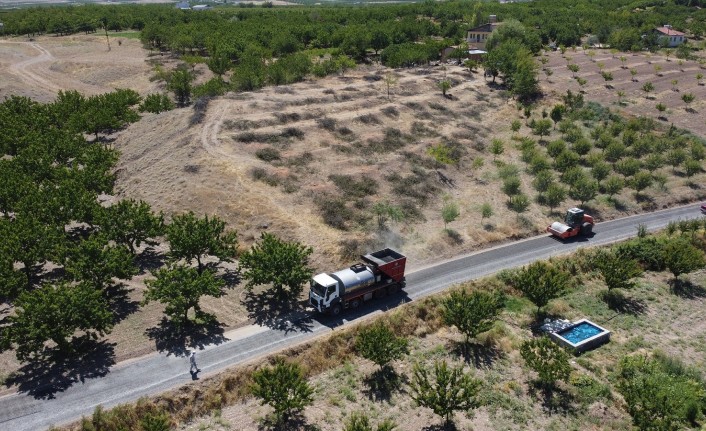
[158,372]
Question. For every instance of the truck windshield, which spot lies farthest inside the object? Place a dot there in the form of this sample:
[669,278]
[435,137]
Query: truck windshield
[318,289]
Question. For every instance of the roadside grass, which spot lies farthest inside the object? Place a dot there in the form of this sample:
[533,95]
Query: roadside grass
[126,34]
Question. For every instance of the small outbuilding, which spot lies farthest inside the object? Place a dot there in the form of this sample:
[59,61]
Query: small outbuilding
[183,5]
[669,37]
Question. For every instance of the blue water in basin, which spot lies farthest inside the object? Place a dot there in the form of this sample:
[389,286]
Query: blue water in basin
[580,332]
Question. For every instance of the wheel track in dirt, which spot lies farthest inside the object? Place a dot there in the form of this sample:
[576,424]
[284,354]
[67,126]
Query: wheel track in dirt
[23,69]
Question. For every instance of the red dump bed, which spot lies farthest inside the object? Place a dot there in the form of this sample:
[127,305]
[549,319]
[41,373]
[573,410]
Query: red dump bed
[389,262]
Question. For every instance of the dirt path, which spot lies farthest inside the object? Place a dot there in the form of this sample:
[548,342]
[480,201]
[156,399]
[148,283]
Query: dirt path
[25,70]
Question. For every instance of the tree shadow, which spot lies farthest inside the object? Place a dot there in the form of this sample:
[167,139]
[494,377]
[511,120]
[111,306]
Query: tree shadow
[554,400]
[450,426]
[149,260]
[266,309]
[453,236]
[488,227]
[177,339]
[383,383]
[295,423]
[478,355]
[686,289]
[620,303]
[644,198]
[231,277]
[57,371]
[617,204]
[118,297]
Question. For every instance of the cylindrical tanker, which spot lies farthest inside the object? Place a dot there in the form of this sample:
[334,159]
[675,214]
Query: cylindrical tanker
[356,277]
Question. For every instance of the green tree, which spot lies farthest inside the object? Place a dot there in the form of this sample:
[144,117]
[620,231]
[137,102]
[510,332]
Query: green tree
[386,211]
[542,127]
[450,212]
[284,265]
[515,125]
[444,85]
[282,387]
[219,63]
[682,257]
[12,282]
[584,190]
[656,398]
[687,98]
[543,180]
[557,113]
[486,211]
[446,391]
[191,238]
[180,288]
[555,195]
[691,167]
[541,282]
[390,81]
[95,261]
[379,344]
[648,87]
[633,74]
[617,271]
[676,157]
[519,203]
[180,83]
[524,82]
[613,185]
[497,147]
[29,241]
[548,360]
[512,185]
[600,170]
[574,68]
[156,103]
[131,223]
[57,314]
[641,181]
[472,313]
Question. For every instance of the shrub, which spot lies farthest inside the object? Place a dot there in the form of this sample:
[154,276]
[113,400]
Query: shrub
[268,154]
[356,188]
[327,123]
[548,360]
[648,252]
[334,211]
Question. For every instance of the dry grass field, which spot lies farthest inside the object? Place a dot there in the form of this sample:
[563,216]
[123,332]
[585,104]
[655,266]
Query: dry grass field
[286,159]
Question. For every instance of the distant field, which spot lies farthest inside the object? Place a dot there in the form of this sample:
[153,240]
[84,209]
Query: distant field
[25,3]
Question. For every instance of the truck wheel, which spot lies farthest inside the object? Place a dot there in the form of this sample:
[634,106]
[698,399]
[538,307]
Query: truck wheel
[586,229]
[393,289]
[336,310]
[355,303]
[380,293]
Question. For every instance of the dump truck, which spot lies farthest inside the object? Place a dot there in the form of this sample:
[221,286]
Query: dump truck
[576,222]
[377,275]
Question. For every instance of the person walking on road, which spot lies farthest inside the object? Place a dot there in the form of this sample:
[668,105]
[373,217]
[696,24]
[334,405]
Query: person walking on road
[192,359]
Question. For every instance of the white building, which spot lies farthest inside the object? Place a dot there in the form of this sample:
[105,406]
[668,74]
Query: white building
[667,36]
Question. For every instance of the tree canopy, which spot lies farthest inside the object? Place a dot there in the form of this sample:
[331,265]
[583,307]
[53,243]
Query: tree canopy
[284,265]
